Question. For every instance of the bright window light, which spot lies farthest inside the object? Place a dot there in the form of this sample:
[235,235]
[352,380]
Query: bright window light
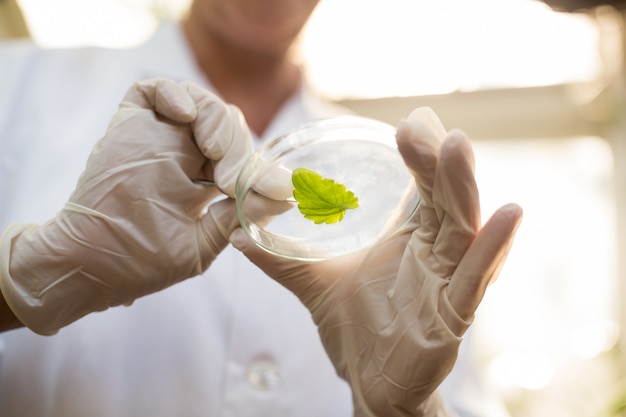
[549,320]
[372,48]
[69,23]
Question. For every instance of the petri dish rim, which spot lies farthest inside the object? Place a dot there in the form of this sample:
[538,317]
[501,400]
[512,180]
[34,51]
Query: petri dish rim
[278,150]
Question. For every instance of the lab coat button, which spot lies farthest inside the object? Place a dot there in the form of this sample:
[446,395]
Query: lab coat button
[263,375]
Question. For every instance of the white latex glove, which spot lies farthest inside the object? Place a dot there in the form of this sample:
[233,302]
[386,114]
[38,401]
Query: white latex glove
[391,318]
[136,221]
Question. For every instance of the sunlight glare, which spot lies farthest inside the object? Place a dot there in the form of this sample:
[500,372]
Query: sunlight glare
[369,48]
[72,23]
[528,370]
[358,48]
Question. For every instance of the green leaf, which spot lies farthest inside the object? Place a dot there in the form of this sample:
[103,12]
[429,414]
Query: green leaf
[321,200]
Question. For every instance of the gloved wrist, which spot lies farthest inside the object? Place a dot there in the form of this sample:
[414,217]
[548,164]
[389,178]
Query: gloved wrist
[52,274]
[36,275]
[433,406]
[48,280]
[370,341]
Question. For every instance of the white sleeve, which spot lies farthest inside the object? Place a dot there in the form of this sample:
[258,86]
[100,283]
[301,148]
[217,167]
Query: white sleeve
[15,59]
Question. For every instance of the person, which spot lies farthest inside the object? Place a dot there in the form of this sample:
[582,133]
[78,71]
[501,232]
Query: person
[233,342]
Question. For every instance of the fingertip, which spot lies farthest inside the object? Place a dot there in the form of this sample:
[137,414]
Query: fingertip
[513,213]
[428,117]
[173,101]
[457,149]
[237,114]
[276,184]
[416,131]
[514,208]
[239,239]
[414,137]
[141,94]
[457,139]
[213,126]
[457,136]
[201,96]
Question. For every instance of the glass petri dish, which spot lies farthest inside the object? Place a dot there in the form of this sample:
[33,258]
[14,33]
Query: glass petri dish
[358,152]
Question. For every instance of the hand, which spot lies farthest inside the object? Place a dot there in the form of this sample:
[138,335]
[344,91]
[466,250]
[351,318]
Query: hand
[136,222]
[391,318]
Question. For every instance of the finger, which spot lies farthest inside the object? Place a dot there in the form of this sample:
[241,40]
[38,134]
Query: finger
[275,183]
[261,210]
[164,96]
[222,135]
[226,169]
[427,116]
[482,260]
[456,201]
[431,137]
[419,147]
[213,125]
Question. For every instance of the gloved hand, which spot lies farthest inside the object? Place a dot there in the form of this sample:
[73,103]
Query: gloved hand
[391,318]
[136,222]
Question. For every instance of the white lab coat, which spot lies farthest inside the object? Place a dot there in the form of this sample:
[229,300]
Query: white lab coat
[229,343]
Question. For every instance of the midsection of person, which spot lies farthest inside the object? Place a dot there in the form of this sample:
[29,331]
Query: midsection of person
[232,342]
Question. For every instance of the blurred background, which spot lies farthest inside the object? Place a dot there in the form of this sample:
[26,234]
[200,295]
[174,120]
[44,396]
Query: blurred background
[542,96]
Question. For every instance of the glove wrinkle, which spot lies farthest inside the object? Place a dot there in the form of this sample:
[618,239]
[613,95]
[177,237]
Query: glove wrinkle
[451,318]
[134,224]
[407,318]
[392,318]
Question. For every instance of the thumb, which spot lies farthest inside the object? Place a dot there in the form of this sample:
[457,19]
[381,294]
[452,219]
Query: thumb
[264,260]
[307,280]
[288,272]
